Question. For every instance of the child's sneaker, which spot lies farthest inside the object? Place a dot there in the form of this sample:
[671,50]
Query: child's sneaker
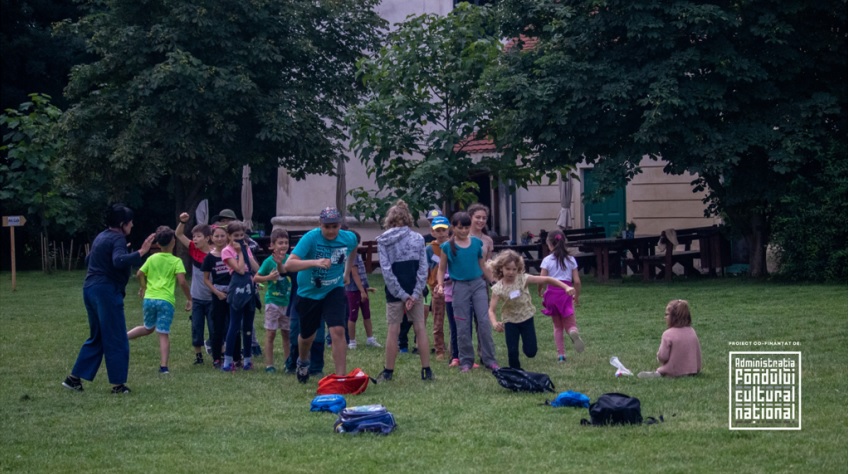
[648,375]
[228,367]
[464,369]
[562,359]
[73,384]
[163,370]
[248,366]
[271,369]
[352,344]
[475,366]
[493,366]
[427,374]
[384,376]
[371,341]
[403,350]
[577,342]
[217,364]
[199,359]
[302,371]
[454,363]
[118,389]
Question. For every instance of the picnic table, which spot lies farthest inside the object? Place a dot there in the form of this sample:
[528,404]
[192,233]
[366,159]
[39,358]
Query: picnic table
[641,256]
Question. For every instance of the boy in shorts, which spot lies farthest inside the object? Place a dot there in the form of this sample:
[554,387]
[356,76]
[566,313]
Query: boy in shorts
[156,285]
[323,259]
[277,296]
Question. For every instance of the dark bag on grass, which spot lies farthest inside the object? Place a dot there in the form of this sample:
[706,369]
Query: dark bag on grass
[614,409]
[519,380]
[365,418]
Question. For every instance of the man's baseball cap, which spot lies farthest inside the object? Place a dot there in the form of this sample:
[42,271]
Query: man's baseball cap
[433,213]
[440,222]
[330,215]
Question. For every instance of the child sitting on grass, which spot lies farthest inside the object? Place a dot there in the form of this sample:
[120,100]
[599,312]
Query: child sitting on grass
[156,281]
[511,289]
[679,353]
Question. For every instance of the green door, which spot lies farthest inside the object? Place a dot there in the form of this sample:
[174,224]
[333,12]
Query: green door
[610,213]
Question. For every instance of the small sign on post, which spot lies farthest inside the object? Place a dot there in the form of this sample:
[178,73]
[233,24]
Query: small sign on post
[11,222]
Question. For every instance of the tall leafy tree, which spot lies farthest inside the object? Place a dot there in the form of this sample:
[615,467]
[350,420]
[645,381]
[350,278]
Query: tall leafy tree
[423,109]
[744,94]
[196,89]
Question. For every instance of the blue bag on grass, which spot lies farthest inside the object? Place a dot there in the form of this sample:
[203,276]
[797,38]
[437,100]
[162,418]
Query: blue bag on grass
[570,399]
[330,403]
[365,418]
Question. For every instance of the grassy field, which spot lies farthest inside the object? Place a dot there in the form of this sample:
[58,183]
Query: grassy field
[197,419]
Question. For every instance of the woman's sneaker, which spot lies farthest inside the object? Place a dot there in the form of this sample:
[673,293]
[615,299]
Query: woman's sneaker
[427,374]
[120,389]
[73,384]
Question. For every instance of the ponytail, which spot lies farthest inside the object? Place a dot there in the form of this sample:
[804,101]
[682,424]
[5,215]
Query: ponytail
[558,241]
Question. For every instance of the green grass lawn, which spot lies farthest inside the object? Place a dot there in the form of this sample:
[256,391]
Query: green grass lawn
[197,419]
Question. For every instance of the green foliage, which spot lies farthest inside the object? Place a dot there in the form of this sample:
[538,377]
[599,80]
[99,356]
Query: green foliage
[741,94]
[423,108]
[195,90]
[811,228]
[31,182]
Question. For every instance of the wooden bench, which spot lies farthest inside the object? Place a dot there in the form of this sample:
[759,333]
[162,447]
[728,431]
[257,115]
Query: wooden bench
[368,251]
[707,238]
[585,260]
[525,251]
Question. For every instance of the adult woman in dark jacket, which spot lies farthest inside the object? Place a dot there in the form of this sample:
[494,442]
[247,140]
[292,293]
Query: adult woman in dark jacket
[109,265]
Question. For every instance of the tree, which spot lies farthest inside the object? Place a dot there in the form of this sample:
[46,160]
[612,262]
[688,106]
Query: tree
[31,182]
[195,90]
[34,59]
[421,110]
[744,94]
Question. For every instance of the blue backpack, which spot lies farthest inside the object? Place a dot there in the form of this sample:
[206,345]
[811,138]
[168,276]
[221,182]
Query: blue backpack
[570,399]
[365,418]
[330,403]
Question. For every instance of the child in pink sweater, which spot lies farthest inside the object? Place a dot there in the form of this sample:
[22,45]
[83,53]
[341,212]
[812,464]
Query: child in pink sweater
[679,353]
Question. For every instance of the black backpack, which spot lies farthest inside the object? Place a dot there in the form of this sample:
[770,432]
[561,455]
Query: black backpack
[614,409]
[519,380]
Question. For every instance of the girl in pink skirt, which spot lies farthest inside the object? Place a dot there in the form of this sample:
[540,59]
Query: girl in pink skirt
[557,303]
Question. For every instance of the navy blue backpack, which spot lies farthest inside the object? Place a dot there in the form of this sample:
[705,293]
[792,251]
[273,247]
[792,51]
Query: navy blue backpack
[365,418]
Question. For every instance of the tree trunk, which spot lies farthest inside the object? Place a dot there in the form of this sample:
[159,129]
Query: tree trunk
[757,239]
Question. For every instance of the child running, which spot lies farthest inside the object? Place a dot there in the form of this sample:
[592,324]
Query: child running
[680,353]
[464,259]
[240,295]
[511,290]
[156,285]
[277,296]
[560,306]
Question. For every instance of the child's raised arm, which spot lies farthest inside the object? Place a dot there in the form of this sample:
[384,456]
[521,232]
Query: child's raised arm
[494,302]
[180,231]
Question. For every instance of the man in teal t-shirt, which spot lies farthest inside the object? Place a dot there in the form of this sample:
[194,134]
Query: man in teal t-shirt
[323,259]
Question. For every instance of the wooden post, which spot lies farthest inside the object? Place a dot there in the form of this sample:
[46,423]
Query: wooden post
[14,275]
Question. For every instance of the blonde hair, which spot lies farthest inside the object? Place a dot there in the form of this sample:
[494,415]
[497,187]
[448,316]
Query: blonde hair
[398,216]
[680,314]
[502,259]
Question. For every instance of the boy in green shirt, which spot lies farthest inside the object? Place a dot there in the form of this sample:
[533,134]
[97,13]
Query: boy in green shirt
[277,295]
[157,279]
